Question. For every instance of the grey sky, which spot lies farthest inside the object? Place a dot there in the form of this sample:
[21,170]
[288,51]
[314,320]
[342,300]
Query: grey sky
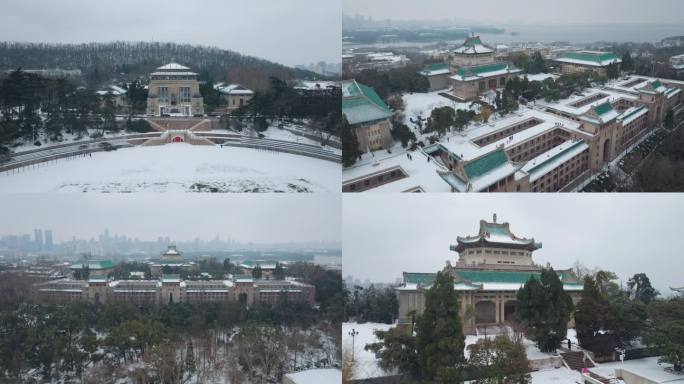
[545,12]
[289,32]
[384,235]
[259,218]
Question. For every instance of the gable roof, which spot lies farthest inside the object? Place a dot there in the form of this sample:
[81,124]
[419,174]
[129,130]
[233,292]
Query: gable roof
[485,163]
[591,58]
[360,104]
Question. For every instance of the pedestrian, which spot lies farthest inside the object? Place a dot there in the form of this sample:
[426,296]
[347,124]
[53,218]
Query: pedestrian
[569,345]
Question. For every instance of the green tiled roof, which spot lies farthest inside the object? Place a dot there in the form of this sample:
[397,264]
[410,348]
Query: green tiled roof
[419,278]
[463,72]
[603,108]
[656,84]
[557,155]
[93,264]
[485,164]
[473,40]
[586,56]
[513,277]
[436,66]
[360,104]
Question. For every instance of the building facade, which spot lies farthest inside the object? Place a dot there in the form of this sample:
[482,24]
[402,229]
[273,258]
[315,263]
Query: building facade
[169,289]
[587,61]
[368,116]
[471,69]
[491,267]
[174,92]
[235,95]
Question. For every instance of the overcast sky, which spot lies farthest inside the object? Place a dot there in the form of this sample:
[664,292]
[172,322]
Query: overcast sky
[385,235]
[545,12]
[289,32]
[259,218]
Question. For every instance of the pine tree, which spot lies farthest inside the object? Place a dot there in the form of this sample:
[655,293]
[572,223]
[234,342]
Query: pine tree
[350,145]
[545,308]
[439,335]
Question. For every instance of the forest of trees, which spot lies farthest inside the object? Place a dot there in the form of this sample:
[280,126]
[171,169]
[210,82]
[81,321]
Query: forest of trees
[167,344]
[102,62]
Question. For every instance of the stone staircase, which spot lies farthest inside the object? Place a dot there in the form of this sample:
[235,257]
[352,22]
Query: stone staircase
[577,360]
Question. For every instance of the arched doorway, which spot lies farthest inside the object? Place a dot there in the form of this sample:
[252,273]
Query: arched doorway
[509,310]
[177,139]
[606,151]
[485,312]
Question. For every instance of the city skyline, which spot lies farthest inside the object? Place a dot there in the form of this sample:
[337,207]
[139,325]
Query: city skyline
[535,12]
[248,218]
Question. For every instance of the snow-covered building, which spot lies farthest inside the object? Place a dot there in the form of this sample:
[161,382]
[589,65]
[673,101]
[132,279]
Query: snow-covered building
[677,63]
[171,258]
[92,267]
[235,95]
[267,267]
[171,288]
[587,61]
[546,147]
[117,94]
[491,267]
[315,88]
[470,70]
[174,92]
[367,115]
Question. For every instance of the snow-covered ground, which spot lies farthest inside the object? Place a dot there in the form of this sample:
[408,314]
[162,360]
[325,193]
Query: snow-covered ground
[422,104]
[541,76]
[178,167]
[68,138]
[365,363]
[647,368]
[316,376]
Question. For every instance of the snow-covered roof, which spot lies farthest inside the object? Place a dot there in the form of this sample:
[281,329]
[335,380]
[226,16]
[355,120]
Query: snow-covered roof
[589,58]
[310,85]
[360,104]
[632,114]
[494,233]
[483,71]
[316,376]
[553,158]
[169,73]
[435,69]
[172,67]
[114,90]
[420,174]
[579,104]
[233,89]
[472,46]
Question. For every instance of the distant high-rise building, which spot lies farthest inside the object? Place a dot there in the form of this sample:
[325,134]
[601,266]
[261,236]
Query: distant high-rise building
[38,238]
[48,240]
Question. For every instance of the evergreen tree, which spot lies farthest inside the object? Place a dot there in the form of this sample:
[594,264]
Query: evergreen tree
[665,334]
[499,360]
[613,71]
[350,145]
[256,272]
[627,62]
[190,365]
[545,308]
[641,288]
[279,273]
[536,64]
[439,333]
[441,119]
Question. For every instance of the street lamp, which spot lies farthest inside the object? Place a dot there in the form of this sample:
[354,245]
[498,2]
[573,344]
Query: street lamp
[353,334]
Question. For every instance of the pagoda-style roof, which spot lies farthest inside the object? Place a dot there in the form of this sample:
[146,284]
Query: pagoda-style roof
[473,46]
[495,234]
[601,114]
[474,280]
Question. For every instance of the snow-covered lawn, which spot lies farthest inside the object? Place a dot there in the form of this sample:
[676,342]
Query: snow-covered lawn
[365,363]
[178,167]
[647,368]
[422,104]
[69,138]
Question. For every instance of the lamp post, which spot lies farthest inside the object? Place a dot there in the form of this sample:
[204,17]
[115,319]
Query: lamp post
[353,334]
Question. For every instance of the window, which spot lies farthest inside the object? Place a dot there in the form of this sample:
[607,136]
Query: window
[184,94]
[163,94]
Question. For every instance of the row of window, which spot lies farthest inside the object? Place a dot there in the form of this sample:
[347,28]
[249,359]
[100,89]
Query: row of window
[508,131]
[561,176]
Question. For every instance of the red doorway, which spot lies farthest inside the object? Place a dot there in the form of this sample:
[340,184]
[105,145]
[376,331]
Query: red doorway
[177,139]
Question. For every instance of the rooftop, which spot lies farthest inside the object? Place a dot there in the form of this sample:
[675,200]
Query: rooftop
[473,45]
[360,104]
[590,58]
